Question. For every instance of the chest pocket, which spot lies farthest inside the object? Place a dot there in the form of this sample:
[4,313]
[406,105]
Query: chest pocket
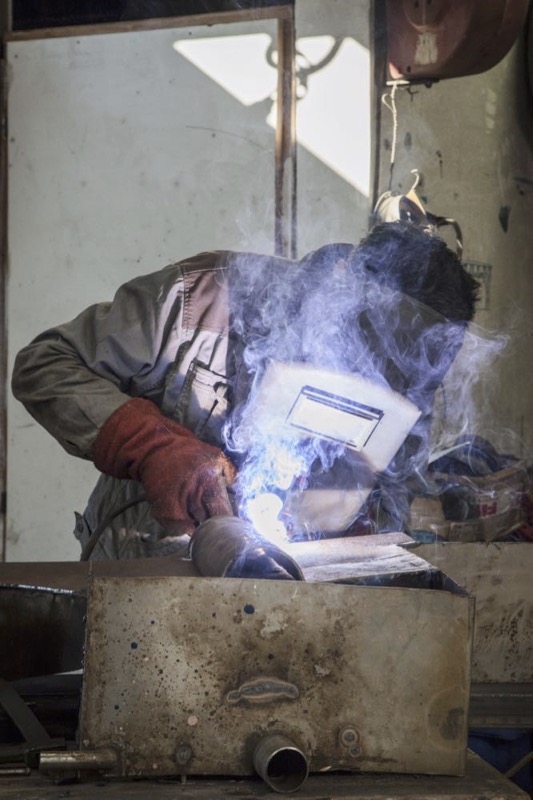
[203,402]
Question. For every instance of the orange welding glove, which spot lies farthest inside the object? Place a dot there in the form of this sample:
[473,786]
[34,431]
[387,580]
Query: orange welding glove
[184,479]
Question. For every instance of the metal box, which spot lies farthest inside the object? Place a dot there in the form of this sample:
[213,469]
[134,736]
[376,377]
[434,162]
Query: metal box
[186,675]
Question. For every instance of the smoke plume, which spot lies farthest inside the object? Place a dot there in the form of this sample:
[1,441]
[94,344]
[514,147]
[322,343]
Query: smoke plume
[393,310]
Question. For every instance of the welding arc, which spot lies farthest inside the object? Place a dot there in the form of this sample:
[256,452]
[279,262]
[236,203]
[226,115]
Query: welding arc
[94,538]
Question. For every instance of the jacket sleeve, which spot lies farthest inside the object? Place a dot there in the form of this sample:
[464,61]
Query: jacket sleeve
[72,377]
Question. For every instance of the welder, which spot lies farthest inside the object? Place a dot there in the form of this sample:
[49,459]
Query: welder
[148,386]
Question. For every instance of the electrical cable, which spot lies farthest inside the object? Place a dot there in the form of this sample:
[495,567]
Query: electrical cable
[95,536]
[389,101]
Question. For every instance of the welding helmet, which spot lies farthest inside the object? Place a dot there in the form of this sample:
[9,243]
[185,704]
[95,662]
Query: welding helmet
[317,438]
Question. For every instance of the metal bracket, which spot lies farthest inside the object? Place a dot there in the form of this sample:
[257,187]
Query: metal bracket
[35,735]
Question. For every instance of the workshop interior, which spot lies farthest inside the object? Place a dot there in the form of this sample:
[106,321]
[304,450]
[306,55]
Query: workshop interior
[304,644]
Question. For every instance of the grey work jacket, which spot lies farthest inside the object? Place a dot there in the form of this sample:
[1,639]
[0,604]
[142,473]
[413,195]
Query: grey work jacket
[164,337]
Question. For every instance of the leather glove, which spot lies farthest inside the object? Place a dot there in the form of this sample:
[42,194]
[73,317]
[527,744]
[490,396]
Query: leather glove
[184,479]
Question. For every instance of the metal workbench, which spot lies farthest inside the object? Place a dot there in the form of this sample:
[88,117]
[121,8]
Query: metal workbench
[481,782]
[67,584]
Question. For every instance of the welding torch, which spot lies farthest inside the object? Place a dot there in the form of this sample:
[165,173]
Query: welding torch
[222,546]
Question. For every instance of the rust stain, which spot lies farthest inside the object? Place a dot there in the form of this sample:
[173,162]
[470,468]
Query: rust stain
[452,727]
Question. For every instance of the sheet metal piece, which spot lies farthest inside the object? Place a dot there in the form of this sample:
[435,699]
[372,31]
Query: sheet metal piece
[43,604]
[187,675]
[371,564]
[498,575]
[42,631]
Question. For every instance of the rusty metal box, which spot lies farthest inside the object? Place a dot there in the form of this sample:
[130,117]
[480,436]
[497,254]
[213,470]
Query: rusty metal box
[185,675]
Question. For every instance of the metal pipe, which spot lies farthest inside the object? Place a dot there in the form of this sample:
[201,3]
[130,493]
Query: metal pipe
[8,772]
[230,547]
[285,150]
[100,760]
[280,763]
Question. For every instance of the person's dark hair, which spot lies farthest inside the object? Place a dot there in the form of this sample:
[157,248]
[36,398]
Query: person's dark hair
[412,260]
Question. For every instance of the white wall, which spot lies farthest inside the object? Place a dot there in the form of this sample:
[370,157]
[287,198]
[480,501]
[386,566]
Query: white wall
[124,156]
[334,121]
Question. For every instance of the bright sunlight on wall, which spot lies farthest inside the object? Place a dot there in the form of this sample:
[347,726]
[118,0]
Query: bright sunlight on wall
[333,91]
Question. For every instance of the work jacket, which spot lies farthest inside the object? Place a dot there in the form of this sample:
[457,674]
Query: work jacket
[164,337]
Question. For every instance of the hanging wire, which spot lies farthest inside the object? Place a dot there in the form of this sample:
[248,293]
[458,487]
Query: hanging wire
[389,101]
[102,525]
[416,173]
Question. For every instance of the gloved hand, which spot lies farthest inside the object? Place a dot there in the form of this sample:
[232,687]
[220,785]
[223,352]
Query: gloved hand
[184,479]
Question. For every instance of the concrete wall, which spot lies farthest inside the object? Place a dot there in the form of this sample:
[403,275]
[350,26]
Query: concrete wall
[470,138]
[124,155]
